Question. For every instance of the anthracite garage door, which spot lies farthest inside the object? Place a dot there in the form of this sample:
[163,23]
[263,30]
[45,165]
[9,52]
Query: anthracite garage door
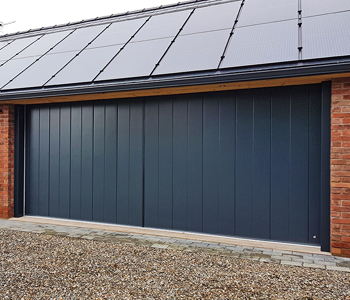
[240,163]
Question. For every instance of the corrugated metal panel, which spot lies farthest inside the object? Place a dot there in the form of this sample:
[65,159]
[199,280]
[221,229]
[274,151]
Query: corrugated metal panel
[194,52]
[326,35]
[267,11]
[263,44]
[137,59]
[319,7]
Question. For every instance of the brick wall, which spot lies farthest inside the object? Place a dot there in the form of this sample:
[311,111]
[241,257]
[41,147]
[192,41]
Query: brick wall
[340,168]
[7,134]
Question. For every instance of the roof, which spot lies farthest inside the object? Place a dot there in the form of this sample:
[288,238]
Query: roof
[195,42]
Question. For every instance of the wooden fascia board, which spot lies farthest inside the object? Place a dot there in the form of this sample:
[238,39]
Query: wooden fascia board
[181,90]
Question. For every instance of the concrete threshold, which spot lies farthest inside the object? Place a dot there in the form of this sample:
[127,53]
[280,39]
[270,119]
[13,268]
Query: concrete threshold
[176,234]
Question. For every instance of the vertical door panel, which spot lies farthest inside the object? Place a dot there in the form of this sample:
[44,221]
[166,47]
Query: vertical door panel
[44,161]
[211,164]
[280,164]
[136,164]
[110,163]
[195,168]
[152,187]
[165,164]
[87,128]
[262,161]
[76,138]
[54,167]
[98,162]
[299,173]
[244,164]
[65,162]
[227,139]
[180,163]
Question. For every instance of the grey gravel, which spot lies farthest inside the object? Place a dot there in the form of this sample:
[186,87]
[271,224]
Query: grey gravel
[113,266]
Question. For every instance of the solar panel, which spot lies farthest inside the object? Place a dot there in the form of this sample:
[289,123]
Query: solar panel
[86,66]
[319,7]
[4,44]
[267,11]
[44,44]
[15,47]
[263,44]
[326,36]
[162,26]
[211,18]
[12,68]
[194,52]
[118,33]
[137,59]
[41,71]
[79,39]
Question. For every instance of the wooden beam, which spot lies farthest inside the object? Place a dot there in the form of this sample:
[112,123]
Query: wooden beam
[181,90]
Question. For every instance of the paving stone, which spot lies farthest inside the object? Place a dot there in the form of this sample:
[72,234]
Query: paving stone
[333,268]
[291,263]
[280,257]
[159,246]
[315,266]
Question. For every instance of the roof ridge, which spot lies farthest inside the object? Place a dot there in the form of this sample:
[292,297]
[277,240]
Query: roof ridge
[119,16]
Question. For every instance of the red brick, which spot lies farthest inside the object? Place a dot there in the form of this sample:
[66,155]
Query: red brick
[340,221]
[341,245]
[6,160]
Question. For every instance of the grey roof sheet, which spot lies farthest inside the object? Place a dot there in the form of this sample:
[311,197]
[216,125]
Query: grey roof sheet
[176,40]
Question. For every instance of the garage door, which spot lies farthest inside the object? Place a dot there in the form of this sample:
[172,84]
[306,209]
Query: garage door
[238,163]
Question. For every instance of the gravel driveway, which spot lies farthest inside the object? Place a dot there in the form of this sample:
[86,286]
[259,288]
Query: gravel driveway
[38,266]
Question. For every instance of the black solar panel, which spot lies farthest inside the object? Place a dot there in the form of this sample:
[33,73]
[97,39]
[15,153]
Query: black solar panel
[12,68]
[41,71]
[211,18]
[194,52]
[326,35]
[162,26]
[79,39]
[319,7]
[118,33]
[44,44]
[86,66]
[16,47]
[263,44]
[4,44]
[267,11]
[137,59]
